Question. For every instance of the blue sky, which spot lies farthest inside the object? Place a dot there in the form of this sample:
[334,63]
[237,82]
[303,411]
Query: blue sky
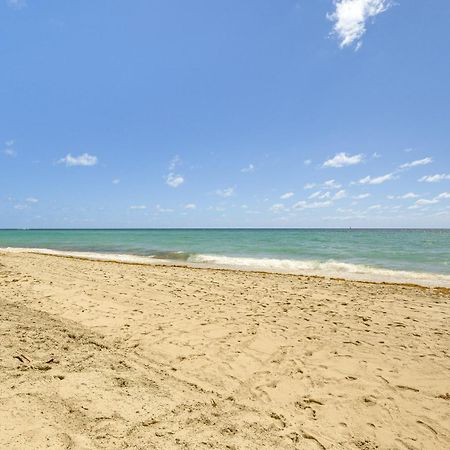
[302,113]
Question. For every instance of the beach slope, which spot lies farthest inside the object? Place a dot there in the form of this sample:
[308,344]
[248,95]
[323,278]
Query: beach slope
[109,355]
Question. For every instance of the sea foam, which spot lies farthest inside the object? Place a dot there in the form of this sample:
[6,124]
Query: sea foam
[330,268]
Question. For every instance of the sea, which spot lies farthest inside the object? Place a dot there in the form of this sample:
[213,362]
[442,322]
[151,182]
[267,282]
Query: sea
[419,256]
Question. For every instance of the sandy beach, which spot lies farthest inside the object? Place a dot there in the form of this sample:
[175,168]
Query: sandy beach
[109,355]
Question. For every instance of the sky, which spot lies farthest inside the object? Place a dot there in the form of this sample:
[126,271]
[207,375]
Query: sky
[256,113]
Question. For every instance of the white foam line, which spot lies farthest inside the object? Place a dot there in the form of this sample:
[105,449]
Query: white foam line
[328,268]
[331,268]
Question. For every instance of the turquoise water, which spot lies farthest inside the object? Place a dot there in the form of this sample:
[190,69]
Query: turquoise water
[406,255]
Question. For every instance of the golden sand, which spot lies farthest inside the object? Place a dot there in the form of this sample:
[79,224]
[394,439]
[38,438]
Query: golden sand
[105,355]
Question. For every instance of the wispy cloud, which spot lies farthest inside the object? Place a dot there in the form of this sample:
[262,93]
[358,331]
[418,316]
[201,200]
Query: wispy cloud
[287,195]
[320,195]
[312,205]
[435,178]
[116,181]
[173,179]
[376,180]
[16,4]
[138,207]
[408,196]
[10,152]
[417,162]
[84,159]
[340,195]
[190,206]
[249,169]
[32,200]
[9,148]
[228,192]
[329,184]
[174,163]
[21,206]
[307,162]
[160,209]
[361,196]
[278,207]
[350,18]
[343,159]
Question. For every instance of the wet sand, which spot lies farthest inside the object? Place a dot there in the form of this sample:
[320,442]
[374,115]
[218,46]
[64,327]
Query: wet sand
[108,355]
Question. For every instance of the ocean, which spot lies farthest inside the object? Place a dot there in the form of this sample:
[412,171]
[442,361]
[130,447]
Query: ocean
[419,256]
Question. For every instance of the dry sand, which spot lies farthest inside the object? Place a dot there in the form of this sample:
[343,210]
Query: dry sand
[105,355]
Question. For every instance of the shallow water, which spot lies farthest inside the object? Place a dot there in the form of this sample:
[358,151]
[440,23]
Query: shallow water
[406,255]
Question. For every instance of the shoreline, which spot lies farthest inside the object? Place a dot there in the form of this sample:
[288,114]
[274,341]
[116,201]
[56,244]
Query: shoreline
[426,282]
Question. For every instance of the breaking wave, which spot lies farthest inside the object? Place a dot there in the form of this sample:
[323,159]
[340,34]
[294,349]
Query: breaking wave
[330,268]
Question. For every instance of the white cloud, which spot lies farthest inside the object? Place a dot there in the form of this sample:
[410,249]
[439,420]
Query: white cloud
[287,195]
[138,207]
[361,196]
[116,181]
[374,207]
[432,201]
[417,162]
[443,195]
[377,180]
[159,208]
[307,162]
[190,206]
[435,178]
[331,184]
[174,180]
[249,169]
[376,155]
[228,192]
[350,17]
[407,196]
[31,200]
[320,195]
[84,159]
[277,207]
[340,195]
[305,205]
[20,206]
[343,159]
[424,201]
